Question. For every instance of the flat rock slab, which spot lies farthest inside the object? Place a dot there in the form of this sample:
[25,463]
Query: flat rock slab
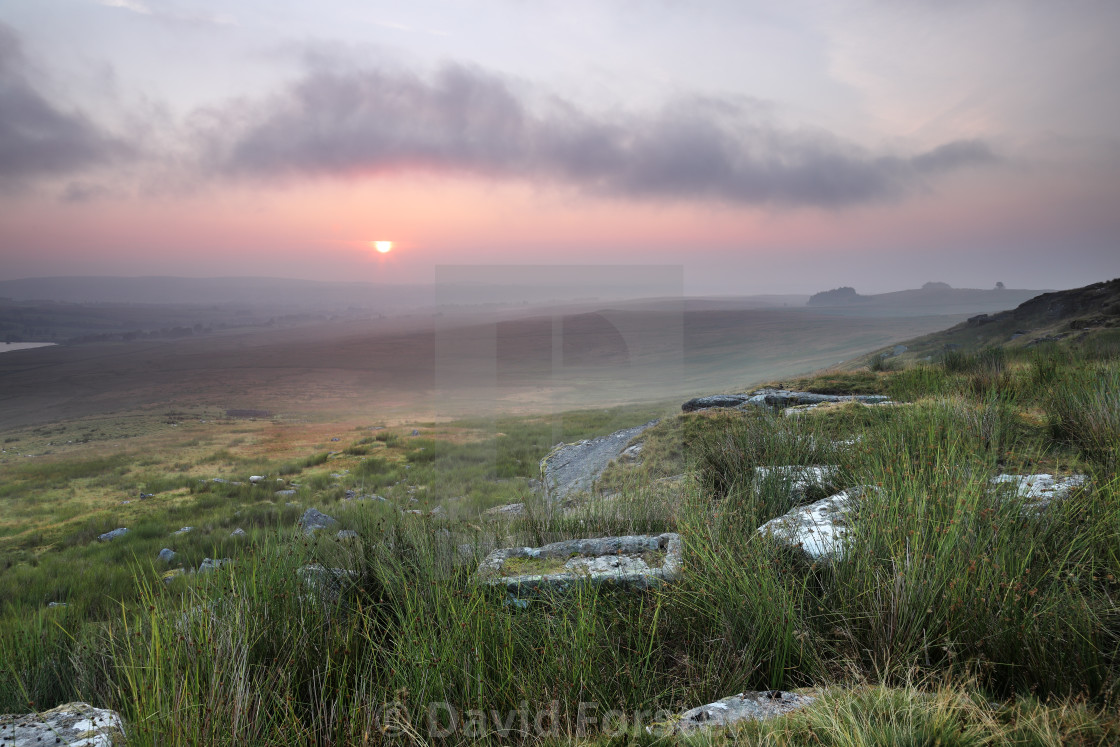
[1038,491]
[819,529]
[632,561]
[73,724]
[573,468]
[746,706]
[778,398]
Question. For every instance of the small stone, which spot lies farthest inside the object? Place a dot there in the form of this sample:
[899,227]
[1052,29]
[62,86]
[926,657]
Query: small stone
[239,532]
[184,530]
[166,555]
[347,534]
[108,536]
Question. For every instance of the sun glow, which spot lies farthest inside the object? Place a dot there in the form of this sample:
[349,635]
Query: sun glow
[384,247]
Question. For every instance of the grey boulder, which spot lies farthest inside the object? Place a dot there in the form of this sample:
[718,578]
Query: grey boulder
[109,536]
[75,724]
[746,706]
[167,555]
[313,519]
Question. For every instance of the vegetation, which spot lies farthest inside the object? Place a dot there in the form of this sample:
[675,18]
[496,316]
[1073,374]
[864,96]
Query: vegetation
[957,615]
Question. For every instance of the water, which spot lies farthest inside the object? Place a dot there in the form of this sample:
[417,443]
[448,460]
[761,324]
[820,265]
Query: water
[7,347]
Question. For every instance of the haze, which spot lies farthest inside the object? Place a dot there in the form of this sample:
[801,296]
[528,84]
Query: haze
[762,147]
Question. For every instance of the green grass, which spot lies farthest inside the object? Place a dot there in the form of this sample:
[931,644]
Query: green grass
[954,616]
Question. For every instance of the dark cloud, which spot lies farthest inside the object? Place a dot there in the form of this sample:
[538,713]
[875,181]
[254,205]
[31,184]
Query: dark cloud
[36,137]
[337,121]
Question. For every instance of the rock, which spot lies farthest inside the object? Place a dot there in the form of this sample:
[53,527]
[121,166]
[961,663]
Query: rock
[509,510]
[803,480]
[284,493]
[219,480]
[414,432]
[313,519]
[1039,490]
[256,479]
[630,562]
[716,400]
[769,397]
[166,555]
[56,604]
[632,454]
[108,536]
[415,511]
[437,511]
[171,575]
[336,438]
[573,468]
[820,528]
[239,532]
[899,349]
[347,534]
[535,486]
[184,530]
[208,565]
[746,706]
[75,724]
[328,584]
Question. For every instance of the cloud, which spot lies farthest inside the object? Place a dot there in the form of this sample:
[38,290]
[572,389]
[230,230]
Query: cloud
[36,137]
[344,122]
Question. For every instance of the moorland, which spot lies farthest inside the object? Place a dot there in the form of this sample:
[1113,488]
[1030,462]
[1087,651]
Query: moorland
[956,617]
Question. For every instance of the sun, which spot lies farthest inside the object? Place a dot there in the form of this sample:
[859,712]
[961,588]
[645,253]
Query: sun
[384,247]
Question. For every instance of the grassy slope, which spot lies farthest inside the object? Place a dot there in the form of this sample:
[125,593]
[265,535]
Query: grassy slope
[951,618]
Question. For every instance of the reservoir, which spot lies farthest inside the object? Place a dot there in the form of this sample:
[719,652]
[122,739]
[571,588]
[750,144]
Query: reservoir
[7,347]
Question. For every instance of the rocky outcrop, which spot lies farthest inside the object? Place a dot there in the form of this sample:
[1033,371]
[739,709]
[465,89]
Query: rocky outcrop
[74,724]
[778,398]
[629,562]
[746,706]
[573,468]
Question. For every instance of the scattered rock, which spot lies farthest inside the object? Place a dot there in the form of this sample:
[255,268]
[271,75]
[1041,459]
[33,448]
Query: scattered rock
[1039,490]
[166,555]
[219,480]
[284,493]
[347,534]
[328,584]
[414,432]
[75,724]
[820,528]
[573,468]
[314,519]
[56,604]
[336,438]
[239,532]
[746,706]
[209,565]
[509,510]
[120,532]
[632,454]
[415,511]
[634,562]
[171,575]
[256,479]
[184,530]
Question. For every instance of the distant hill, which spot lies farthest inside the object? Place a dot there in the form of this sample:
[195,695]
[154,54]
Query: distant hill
[1088,313]
[931,298]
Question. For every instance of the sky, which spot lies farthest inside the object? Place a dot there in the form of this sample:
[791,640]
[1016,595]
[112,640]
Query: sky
[761,147]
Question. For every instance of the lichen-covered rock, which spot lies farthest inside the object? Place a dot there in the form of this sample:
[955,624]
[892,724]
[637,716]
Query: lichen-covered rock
[746,706]
[73,724]
[632,562]
[313,519]
[819,529]
[509,510]
[1040,490]
[573,468]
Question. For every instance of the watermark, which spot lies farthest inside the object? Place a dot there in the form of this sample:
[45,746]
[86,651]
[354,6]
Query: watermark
[444,720]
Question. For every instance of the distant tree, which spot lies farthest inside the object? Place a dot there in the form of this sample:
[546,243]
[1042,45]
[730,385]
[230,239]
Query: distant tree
[999,286]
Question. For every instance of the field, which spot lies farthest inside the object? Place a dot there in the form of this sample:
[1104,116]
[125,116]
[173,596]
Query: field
[956,618]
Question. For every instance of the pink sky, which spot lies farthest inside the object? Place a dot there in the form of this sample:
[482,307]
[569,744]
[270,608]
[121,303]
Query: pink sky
[762,149]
